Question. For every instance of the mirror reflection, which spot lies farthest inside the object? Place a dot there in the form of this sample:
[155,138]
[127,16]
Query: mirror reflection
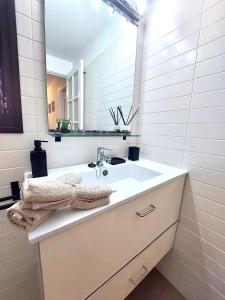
[90,62]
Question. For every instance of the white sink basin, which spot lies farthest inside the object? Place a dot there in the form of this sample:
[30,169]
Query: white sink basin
[120,177]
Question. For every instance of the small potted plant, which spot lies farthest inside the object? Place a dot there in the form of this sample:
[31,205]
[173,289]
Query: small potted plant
[65,123]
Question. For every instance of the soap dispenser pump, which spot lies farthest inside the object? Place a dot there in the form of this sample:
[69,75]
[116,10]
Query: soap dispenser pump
[38,160]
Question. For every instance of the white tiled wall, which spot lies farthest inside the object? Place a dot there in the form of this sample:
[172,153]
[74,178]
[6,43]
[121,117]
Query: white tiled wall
[18,274]
[182,123]
[109,81]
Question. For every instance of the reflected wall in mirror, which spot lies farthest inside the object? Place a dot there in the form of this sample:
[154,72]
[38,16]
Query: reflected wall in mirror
[90,63]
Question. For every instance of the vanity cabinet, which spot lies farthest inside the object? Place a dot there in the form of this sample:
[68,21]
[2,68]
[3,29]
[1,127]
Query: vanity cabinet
[106,256]
[122,283]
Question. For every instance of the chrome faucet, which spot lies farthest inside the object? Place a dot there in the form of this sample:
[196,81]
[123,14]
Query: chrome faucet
[101,157]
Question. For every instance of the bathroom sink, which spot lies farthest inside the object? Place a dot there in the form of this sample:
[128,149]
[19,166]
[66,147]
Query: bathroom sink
[120,177]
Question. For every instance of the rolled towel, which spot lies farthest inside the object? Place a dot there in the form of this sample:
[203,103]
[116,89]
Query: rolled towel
[82,204]
[25,218]
[90,192]
[71,179]
[55,191]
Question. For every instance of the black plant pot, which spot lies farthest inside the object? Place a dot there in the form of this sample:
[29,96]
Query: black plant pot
[65,130]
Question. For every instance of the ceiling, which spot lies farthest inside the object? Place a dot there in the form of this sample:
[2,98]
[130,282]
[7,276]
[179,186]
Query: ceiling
[71,24]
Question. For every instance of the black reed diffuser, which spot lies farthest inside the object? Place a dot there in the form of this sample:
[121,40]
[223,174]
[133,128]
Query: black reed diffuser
[118,114]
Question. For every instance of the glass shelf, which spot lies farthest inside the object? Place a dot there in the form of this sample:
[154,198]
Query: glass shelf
[92,133]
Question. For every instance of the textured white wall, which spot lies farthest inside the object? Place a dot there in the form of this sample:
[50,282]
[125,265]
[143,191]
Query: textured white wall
[18,278]
[183,124]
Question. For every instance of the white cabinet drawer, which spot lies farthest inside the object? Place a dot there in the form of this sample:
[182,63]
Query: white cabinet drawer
[80,259]
[121,284]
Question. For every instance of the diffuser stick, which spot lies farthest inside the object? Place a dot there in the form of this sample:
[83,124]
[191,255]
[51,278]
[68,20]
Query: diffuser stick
[121,113]
[112,115]
[133,116]
[129,114]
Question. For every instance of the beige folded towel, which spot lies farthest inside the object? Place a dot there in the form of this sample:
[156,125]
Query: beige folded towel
[37,191]
[82,204]
[50,195]
[46,205]
[90,192]
[70,179]
[91,196]
[25,218]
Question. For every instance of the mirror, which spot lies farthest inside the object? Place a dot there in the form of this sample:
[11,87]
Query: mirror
[90,63]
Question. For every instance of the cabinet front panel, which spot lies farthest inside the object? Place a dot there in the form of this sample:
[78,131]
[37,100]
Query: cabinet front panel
[120,285]
[80,259]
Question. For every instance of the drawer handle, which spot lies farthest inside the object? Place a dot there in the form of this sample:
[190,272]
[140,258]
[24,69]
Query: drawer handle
[136,281]
[144,213]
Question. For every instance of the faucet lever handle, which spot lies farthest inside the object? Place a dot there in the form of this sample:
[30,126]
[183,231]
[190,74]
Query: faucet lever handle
[102,149]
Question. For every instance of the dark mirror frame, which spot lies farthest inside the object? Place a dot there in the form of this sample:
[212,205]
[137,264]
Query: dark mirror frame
[10,99]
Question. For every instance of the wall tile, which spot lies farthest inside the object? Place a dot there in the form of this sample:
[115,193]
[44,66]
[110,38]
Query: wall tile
[211,131]
[205,190]
[28,105]
[205,205]
[26,67]
[207,176]
[39,71]
[210,66]
[178,103]
[211,162]
[25,47]
[210,83]
[215,13]
[170,65]
[181,33]
[212,49]
[171,78]
[39,51]
[176,90]
[23,7]
[208,99]
[172,51]
[200,258]
[36,11]
[207,115]
[37,31]
[27,86]
[213,32]
[210,3]
[162,22]
[23,25]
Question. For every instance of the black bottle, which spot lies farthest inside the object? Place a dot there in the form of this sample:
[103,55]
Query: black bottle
[38,159]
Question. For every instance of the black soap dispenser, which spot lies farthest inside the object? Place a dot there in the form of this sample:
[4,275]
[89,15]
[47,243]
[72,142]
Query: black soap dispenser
[38,160]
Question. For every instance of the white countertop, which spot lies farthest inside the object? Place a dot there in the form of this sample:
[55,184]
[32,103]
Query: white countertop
[67,217]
